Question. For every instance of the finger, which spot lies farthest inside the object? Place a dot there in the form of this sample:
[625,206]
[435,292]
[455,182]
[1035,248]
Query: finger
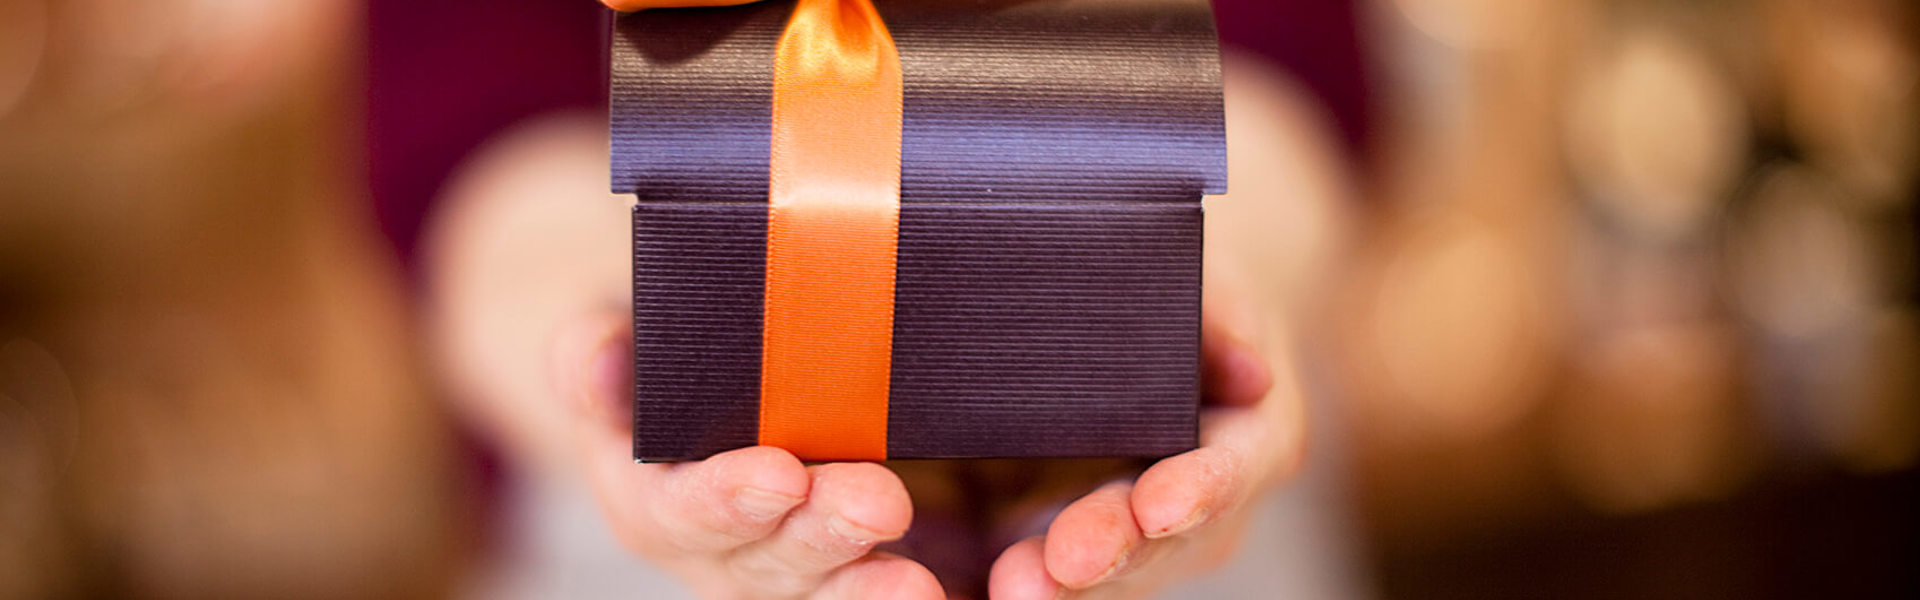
[712,505]
[715,505]
[881,576]
[1021,573]
[1157,563]
[1094,538]
[1232,370]
[1180,493]
[590,371]
[633,5]
[852,507]
[1243,450]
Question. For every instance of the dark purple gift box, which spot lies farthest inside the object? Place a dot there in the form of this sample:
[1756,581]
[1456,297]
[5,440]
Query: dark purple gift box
[1047,299]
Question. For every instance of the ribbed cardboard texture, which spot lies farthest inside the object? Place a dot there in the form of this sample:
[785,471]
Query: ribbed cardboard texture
[1043,100]
[1053,159]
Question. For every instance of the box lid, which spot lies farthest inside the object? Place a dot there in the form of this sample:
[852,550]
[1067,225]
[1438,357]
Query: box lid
[1005,100]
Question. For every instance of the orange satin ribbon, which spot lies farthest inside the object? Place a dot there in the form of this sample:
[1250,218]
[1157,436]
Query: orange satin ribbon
[833,224]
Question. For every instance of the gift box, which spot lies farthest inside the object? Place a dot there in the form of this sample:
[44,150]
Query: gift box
[1041,293]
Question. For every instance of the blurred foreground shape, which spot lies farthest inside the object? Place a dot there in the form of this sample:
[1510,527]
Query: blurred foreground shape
[207,386]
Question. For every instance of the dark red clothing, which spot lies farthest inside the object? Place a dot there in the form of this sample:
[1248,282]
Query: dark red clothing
[443,75]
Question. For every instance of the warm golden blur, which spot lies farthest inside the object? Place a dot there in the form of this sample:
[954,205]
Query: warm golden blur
[206,384]
[1639,266]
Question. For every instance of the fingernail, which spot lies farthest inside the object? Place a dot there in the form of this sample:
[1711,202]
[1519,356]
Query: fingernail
[1182,526]
[764,505]
[842,527]
[1119,564]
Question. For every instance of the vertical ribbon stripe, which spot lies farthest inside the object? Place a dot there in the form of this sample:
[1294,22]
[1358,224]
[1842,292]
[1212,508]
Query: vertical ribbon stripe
[833,225]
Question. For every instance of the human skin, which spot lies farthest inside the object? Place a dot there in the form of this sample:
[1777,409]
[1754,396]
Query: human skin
[530,298]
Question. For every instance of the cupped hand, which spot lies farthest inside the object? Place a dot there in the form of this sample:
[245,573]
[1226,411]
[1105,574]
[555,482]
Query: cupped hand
[1184,515]
[756,523]
[750,523]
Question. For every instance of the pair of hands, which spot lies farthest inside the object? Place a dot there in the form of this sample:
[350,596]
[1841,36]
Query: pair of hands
[758,523]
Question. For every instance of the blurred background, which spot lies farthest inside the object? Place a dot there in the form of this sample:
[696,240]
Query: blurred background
[1635,314]
[1628,308]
